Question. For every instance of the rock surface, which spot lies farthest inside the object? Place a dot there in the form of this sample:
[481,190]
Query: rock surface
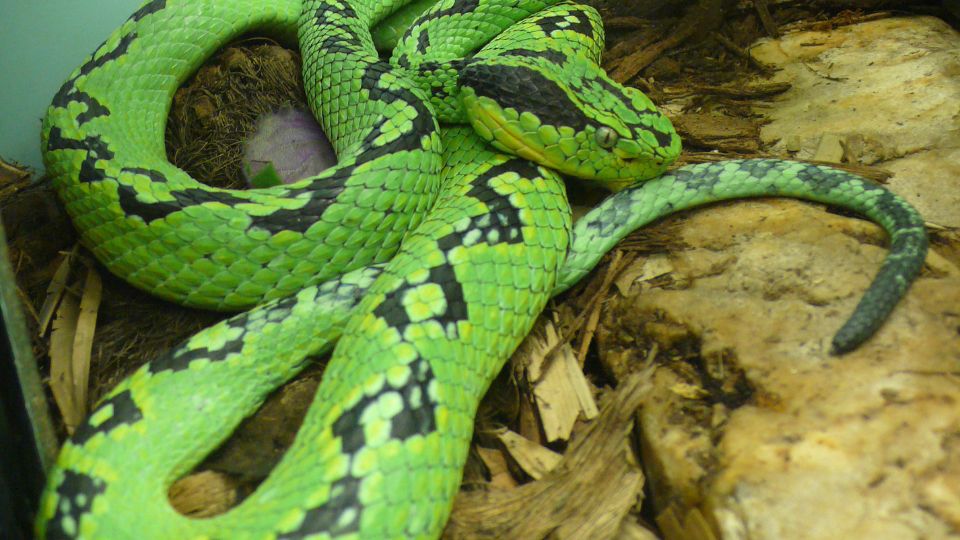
[883,93]
[754,424]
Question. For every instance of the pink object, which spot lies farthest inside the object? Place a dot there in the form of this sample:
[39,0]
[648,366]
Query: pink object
[286,145]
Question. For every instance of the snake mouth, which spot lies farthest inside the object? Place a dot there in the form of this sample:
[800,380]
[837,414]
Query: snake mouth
[495,129]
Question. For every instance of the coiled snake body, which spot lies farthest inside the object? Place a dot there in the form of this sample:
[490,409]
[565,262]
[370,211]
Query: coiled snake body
[424,256]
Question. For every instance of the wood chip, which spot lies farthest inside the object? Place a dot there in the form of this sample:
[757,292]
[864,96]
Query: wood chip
[643,269]
[631,530]
[562,394]
[535,349]
[204,494]
[496,463]
[588,495]
[693,526]
[527,421]
[534,459]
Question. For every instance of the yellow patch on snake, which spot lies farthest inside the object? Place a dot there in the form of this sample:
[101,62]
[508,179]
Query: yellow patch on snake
[425,302]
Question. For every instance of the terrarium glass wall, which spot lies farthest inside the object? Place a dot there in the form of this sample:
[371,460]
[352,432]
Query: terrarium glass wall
[40,43]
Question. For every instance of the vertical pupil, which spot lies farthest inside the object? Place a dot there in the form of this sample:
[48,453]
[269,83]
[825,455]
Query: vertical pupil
[605,137]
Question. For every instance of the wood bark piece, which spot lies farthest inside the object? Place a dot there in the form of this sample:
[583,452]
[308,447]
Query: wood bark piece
[703,17]
[497,466]
[534,459]
[588,495]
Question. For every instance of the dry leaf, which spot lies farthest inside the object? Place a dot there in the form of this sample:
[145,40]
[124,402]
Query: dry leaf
[83,340]
[55,290]
[61,361]
[71,343]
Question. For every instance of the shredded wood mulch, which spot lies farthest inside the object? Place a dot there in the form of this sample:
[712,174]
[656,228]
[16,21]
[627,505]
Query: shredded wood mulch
[554,454]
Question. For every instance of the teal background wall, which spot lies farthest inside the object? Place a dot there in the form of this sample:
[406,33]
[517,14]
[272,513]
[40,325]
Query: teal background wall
[41,42]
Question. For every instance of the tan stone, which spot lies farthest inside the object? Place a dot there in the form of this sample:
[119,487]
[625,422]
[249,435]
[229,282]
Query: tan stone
[888,91]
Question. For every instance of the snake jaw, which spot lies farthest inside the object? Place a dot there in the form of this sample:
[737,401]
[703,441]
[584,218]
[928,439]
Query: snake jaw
[484,117]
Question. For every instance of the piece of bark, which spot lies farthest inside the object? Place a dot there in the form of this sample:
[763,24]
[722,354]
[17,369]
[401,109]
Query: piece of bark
[588,495]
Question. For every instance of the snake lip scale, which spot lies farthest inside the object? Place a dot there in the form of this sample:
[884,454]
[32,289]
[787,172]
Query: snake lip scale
[420,261]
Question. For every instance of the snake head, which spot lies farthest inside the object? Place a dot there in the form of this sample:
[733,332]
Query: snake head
[567,114]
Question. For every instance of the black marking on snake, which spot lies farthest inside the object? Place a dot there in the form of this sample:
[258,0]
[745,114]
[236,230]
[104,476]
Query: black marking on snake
[65,94]
[124,411]
[417,415]
[501,223]
[438,90]
[148,211]
[197,196]
[132,206]
[180,358]
[153,175]
[580,24]
[523,89]
[337,16]
[94,108]
[446,278]
[334,15]
[320,195]
[89,171]
[423,121]
[113,54]
[93,145]
[348,429]
[554,57]
[327,518]
[394,313]
[415,418]
[148,8]
[423,42]
[75,496]
[68,93]
[459,7]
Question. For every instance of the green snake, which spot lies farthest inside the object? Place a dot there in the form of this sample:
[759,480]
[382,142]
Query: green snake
[421,259]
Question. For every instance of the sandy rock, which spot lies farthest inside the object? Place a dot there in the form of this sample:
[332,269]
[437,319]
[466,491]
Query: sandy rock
[883,93]
[754,424]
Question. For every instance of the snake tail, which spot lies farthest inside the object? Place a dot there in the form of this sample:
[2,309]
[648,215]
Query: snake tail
[697,185]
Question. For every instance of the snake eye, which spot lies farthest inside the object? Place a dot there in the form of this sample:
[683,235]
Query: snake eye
[606,137]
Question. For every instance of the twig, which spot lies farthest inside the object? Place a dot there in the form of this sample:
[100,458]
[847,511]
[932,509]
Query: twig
[763,11]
